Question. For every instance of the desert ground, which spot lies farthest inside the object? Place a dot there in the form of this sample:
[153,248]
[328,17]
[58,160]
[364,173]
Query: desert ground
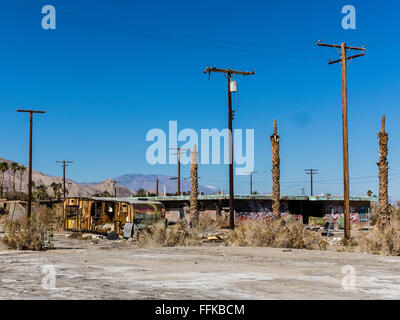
[104,269]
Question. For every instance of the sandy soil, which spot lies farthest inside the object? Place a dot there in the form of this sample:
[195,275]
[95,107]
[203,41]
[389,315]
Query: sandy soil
[117,270]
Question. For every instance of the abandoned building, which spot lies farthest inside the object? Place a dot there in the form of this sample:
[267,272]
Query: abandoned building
[260,206]
[103,215]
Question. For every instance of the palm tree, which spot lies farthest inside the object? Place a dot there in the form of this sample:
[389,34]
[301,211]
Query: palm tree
[41,192]
[14,166]
[56,189]
[141,192]
[21,170]
[3,169]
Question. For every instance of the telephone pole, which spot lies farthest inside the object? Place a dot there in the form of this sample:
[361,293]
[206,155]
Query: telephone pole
[64,165]
[157,187]
[311,172]
[31,112]
[346,184]
[179,150]
[228,74]
[251,181]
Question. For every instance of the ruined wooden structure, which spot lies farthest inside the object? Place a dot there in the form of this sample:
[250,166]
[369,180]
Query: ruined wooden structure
[105,215]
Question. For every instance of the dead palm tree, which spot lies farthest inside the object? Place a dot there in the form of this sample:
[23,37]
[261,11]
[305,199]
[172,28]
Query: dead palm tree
[383,164]
[3,169]
[194,205]
[275,172]
[14,166]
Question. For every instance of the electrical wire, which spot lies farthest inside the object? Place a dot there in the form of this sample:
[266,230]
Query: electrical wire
[129,29]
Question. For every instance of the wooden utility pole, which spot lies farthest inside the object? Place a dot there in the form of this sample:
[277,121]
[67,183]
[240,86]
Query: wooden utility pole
[276,191]
[346,183]
[384,212]
[251,181]
[31,112]
[179,150]
[311,172]
[64,165]
[229,73]
[157,187]
[194,190]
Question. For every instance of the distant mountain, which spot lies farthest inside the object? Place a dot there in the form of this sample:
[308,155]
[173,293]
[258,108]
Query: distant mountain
[148,182]
[126,185]
[74,188]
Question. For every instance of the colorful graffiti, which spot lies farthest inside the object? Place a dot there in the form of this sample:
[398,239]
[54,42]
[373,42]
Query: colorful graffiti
[336,212]
[254,210]
[354,217]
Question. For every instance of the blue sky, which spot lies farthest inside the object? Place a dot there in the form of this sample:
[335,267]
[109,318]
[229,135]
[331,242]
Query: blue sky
[112,71]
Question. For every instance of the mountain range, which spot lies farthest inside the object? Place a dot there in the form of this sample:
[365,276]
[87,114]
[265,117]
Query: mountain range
[126,185]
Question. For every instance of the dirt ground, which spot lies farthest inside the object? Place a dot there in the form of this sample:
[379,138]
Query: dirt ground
[118,270]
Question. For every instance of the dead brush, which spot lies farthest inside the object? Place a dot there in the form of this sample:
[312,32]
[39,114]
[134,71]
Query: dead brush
[176,235]
[26,234]
[52,218]
[276,233]
[384,241]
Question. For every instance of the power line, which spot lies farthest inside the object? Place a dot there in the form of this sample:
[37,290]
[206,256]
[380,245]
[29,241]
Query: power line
[128,29]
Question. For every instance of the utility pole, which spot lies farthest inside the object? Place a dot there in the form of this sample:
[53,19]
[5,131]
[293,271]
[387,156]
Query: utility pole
[179,150]
[251,181]
[64,165]
[229,73]
[157,187]
[311,172]
[346,184]
[31,112]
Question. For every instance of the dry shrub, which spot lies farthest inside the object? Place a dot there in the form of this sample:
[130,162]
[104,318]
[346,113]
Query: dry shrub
[385,241]
[75,235]
[277,233]
[159,235]
[27,234]
[52,217]
[222,221]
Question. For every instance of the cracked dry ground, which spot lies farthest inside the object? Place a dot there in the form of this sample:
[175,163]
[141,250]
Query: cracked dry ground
[118,270]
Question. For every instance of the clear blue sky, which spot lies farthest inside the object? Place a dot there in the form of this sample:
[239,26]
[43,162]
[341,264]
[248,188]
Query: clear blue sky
[105,79]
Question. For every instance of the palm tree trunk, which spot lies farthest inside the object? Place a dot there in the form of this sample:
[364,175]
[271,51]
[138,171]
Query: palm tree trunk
[194,205]
[20,182]
[275,172]
[2,184]
[384,210]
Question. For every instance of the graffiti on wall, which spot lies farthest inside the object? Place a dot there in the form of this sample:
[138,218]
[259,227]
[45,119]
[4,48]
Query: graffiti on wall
[257,209]
[262,209]
[336,212]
